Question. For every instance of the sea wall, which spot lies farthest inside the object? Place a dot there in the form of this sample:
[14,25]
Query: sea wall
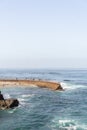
[39,83]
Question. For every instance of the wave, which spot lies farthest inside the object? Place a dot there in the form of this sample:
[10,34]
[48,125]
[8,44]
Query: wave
[67,124]
[6,96]
[27,95]
[12,110]
[67,86]
[24,98]
[22,101]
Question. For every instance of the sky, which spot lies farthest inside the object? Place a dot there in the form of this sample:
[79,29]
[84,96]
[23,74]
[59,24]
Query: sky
[43,34]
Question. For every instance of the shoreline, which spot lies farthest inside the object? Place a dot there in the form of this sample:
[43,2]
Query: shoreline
[26,82]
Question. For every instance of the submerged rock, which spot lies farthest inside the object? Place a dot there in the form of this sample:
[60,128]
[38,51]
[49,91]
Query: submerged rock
[8,103]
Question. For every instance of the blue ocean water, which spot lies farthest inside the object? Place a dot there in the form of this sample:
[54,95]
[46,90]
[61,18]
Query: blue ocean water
[44,109]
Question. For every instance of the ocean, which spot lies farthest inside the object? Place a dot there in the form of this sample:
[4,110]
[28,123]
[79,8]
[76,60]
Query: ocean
[44,109]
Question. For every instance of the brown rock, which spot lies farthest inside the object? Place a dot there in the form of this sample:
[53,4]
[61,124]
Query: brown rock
[8,103]
[39,83]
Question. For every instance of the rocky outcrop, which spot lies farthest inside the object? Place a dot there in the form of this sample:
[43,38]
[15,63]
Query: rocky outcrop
[50,85]
[25,82]
[8,103]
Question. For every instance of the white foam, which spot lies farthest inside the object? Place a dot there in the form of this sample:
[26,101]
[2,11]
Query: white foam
[12,110]
[21,99]
[65,121]
[71,125]
[6,96]
[67,86]
[24,98]
[27,95]
[67,124]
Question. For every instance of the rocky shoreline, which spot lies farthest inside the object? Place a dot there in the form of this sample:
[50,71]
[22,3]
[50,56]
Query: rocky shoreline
[25,82]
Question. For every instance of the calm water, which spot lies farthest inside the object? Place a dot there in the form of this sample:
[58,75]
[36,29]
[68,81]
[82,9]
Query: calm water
[43,109]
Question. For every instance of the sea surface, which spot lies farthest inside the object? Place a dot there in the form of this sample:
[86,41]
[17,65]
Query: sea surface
[44,109]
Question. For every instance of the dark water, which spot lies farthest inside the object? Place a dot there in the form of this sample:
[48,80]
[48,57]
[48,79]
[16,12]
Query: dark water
[43,109]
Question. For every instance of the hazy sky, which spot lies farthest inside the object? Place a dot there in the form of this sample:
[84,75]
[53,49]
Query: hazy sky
[43,33]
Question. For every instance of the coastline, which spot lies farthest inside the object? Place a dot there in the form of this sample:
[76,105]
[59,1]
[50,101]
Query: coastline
[24,82]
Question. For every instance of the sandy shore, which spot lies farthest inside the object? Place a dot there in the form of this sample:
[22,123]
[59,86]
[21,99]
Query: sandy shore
[39,83]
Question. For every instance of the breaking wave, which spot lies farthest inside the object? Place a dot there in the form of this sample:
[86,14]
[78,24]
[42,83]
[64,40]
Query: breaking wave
[67,86]
[67,124]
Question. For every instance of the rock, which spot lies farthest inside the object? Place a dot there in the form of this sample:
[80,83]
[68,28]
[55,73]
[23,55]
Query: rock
[8,103]
[39,83]
[59,87]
